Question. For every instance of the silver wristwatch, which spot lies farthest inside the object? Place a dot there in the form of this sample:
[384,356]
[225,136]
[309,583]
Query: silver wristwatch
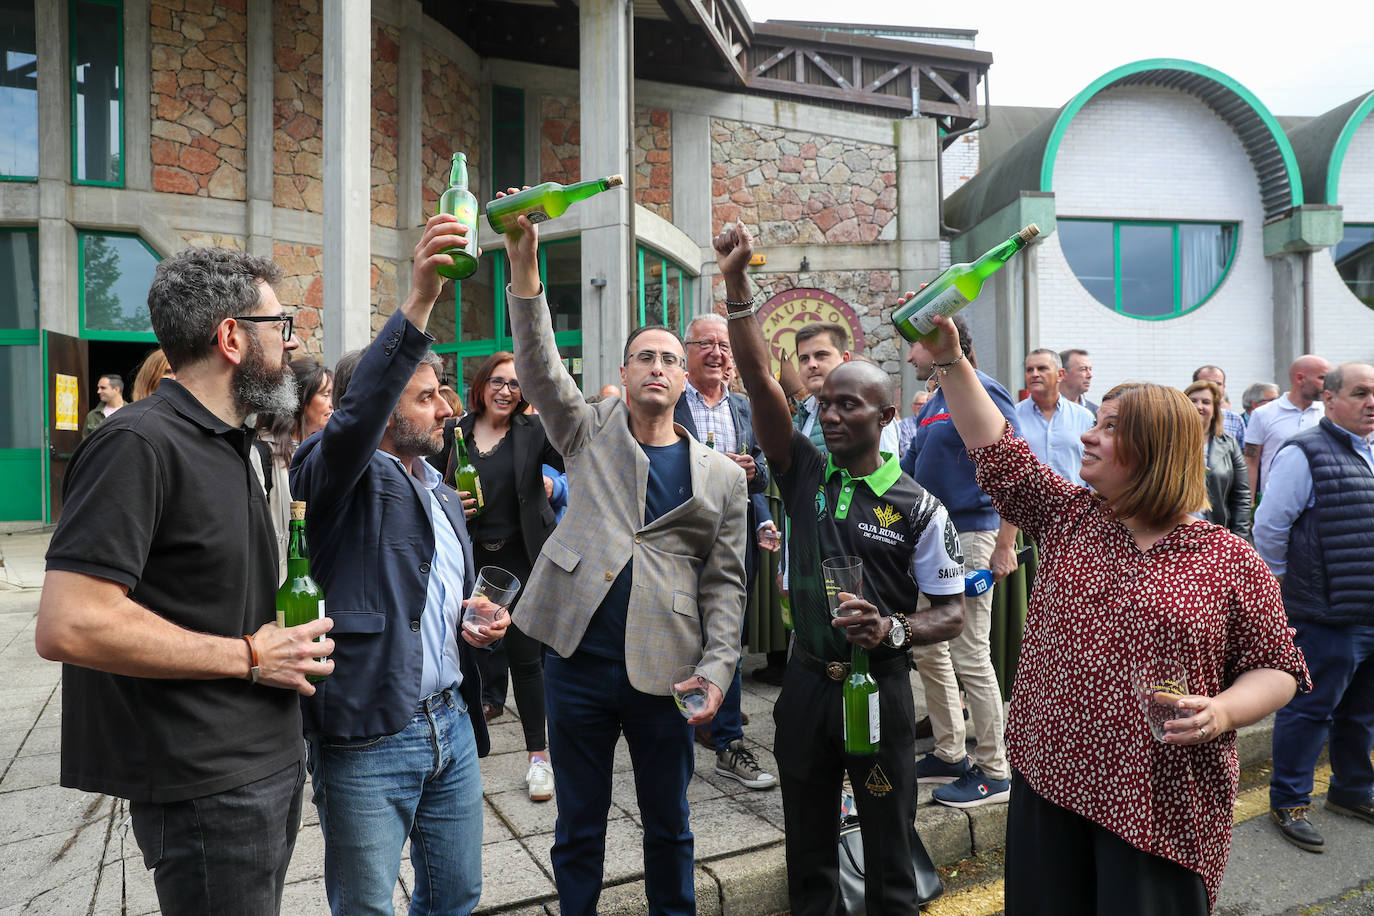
[896,637]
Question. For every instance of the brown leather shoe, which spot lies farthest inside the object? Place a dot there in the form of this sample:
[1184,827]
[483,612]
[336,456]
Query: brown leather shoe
[744,718]
[924,729]
[492,711]
[703,736]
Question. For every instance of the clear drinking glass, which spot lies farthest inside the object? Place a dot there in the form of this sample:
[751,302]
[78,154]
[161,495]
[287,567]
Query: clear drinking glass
[493,593]
[1161,677]
[689,691]
[844,577]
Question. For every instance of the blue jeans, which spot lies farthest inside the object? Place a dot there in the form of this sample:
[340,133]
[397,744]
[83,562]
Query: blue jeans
[590,701]
[223,854]
[422,782]
[1341,662]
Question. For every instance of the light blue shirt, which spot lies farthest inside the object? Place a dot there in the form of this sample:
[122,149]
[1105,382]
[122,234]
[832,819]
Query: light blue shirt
[1288,495]
[1056,441]
[443,613]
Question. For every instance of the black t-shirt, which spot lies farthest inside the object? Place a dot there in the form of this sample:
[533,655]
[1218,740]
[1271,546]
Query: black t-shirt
[162,499]
[901,532]
[669,486]
[500,516]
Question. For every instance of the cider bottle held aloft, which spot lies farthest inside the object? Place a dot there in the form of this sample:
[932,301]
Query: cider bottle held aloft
[465,476]
[458,201]
[959,285]
[862,726]
[299,600]
[544,201]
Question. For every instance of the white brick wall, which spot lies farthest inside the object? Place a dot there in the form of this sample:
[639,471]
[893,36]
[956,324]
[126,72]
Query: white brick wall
[1344,326]
[1153,153]
[959,163]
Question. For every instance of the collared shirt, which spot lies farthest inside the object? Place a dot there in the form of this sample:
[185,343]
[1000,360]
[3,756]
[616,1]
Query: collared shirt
[888,441]
[1233,424]
[906,431]
[715,425]
[1289,496]
[443,614]
[1273,424]
[1057,441]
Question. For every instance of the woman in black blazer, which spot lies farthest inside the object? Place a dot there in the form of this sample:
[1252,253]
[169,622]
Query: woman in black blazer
[1228,484]
[508,448]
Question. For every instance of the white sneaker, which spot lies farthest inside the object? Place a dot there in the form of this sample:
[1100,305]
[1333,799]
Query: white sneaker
[540,780]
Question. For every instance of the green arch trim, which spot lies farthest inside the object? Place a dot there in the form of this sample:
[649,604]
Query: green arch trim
[1352,124]
[1067,113]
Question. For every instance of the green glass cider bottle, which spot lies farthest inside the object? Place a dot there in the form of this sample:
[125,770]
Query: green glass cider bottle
[299,600]
[458,201]
[959,285]
[465,476]
[544,201]
[862,727]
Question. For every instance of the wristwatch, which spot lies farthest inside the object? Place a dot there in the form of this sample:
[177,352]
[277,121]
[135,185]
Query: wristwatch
[898,634]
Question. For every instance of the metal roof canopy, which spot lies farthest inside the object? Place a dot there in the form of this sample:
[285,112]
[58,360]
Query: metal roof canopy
[714,43]
[1029,164]
[1320,145]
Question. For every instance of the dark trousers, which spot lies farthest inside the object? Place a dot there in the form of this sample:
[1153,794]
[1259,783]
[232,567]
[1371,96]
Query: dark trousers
[590,703]
[728,725]
[809,746]
[223,854]
[1340,706]
[1059,862]
[517,657]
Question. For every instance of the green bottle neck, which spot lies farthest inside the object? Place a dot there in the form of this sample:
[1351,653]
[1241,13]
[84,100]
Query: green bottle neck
[297,552]
[988,264]
[458,176]
[584,189]
[858,658]
[461,445]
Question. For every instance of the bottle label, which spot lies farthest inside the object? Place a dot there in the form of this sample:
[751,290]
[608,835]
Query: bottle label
[949,301]
[536,215]
[874,727]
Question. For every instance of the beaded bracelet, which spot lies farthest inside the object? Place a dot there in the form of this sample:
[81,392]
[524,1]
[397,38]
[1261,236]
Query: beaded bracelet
[943,368]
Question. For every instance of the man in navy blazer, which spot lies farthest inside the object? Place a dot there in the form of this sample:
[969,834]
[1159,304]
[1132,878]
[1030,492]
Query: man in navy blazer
[391,747]
[712,414]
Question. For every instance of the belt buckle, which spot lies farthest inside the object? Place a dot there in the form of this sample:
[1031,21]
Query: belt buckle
[492,546]
[836,671]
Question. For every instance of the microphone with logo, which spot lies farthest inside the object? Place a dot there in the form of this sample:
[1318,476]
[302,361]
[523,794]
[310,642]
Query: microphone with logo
[979,581]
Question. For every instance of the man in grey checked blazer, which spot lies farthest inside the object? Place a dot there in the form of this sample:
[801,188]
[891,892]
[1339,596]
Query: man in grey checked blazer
[645,573]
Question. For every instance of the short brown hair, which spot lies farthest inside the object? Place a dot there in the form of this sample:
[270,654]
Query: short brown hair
[477,395]
[1215,427]
[1159,438]
[838,335]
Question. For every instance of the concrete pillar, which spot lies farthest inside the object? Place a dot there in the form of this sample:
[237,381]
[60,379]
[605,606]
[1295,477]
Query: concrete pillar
[918,225]
[1287,272]
[57,309]
[261,73]
[605,36]
[138,95]
[347,173]
[409,82]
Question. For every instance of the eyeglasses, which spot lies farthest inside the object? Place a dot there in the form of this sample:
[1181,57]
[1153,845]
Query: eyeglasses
[647,357]
[496,384]
[709,345]
[286,322]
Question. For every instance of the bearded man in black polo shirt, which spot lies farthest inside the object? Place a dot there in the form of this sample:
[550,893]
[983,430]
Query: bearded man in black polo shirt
[164,557]
[854,502]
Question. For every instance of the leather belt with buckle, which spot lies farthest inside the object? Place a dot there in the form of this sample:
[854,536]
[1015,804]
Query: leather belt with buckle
[838,671]
[492,546]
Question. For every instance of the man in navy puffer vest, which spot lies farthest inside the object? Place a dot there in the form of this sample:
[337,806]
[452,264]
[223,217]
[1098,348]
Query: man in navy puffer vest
[1315,529]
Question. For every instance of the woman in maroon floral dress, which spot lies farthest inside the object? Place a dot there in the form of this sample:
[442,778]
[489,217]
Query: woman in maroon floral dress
[1104,818]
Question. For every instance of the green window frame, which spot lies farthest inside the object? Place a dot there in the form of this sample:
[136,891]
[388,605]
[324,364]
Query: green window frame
[18,17]
[1353,256]
[507,138]
[1125,263]
[78,35]
[90,333]
[659,312]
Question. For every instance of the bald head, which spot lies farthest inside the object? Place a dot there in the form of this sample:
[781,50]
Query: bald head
[867,377]
[855,404]
[1305,379]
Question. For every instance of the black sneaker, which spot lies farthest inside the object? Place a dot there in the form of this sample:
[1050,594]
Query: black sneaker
[1364,810]
[1293,824]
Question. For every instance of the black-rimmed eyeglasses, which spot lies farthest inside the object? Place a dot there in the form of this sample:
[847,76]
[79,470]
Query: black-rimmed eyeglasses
[286,322]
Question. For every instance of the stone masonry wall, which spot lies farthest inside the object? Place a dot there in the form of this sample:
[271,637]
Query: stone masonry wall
[386,49]
[298,106]
[793,187]
[560,139]
[302,289]
[199,129]
[653,161]
[450,119]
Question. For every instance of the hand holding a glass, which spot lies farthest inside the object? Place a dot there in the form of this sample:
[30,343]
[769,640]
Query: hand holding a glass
[1174,715]
[696,697]
[485,614]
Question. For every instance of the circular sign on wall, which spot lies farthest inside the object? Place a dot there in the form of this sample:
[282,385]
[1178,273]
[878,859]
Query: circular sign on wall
[783,314]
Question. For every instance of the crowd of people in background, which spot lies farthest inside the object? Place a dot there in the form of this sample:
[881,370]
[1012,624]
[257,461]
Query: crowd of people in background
[636,524]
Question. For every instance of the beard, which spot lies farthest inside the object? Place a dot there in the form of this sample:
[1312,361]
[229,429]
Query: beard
[257,388]
[411,438]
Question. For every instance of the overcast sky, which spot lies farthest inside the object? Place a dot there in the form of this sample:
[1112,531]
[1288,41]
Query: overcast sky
[1298,58]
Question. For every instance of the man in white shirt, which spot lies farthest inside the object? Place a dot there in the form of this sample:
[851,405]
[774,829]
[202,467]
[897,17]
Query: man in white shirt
[1052,424]
[1275,423]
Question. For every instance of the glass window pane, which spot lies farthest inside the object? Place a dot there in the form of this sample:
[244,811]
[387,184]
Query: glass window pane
[18,90]
[1087,246]
[18,280]
[572,359]
[116,273]
[1354,258]
[1204,251]
[21,397]
[97,34]
[563,284]
[653,287]
[478,312]
[507,138]
[1147,270]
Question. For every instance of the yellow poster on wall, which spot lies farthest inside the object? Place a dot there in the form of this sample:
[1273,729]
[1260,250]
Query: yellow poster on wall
[66,406]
